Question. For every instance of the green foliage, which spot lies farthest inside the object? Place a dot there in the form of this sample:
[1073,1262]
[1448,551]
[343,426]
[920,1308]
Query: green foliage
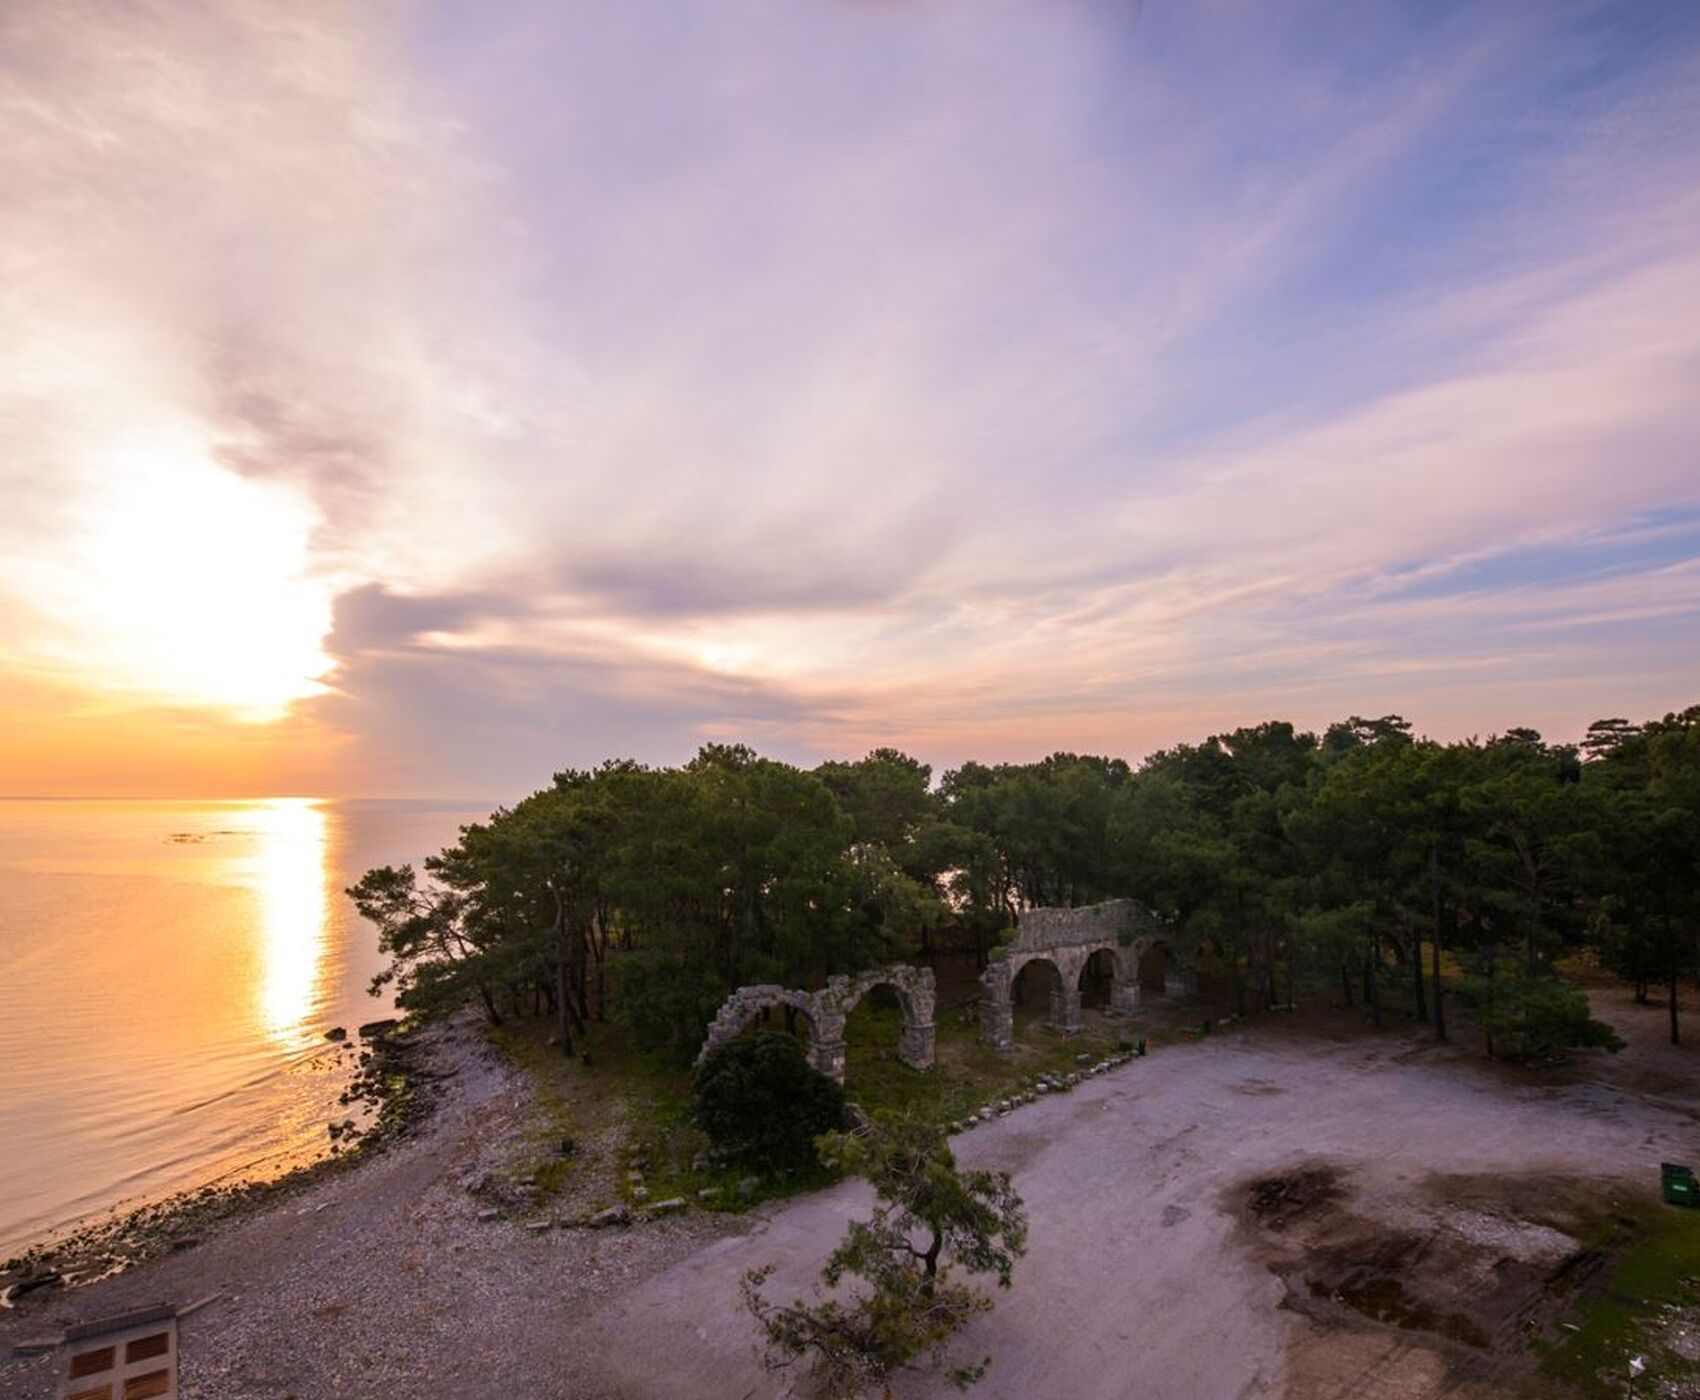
[932,1219]
[1044,828]
[1283,863]
[646,895]
[1533,1018]
[886,796]
[439,952]
[760,1101]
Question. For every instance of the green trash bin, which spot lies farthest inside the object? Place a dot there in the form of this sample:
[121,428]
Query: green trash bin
[1678,1184]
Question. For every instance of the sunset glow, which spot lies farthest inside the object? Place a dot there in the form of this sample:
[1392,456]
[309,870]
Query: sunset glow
[184,584]
[290,878]
[416,400]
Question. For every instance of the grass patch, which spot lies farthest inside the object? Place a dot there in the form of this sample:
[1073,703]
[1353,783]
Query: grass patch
[563,1112]
[638,1104]
[1649,1296]
[966,1073]
[629,1110]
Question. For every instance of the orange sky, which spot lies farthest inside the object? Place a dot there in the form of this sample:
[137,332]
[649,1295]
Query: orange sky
[415,400]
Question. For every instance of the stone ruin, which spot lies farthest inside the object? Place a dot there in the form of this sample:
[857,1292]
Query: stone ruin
[825,1013]
[1066,939]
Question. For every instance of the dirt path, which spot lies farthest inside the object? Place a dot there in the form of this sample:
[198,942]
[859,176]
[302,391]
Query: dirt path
[1148,1274]
[1142,1279]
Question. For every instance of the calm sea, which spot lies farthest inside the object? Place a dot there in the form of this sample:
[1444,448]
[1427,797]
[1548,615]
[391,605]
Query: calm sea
[168,971]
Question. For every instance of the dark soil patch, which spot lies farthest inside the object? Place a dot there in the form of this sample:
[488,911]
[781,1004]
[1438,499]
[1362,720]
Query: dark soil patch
[1279,1201]
[1474,1268]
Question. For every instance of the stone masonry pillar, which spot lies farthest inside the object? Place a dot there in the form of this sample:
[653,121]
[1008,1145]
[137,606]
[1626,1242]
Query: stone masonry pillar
[1065,1009]
[997,1016]
[916,1047]
[1124,992]
[828,1046]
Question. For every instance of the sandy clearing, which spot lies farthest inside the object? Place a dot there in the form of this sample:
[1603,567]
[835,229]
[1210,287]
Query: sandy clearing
[1142,1280]
[1139,1280]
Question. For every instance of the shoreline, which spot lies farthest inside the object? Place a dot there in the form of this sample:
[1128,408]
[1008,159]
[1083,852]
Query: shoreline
[357,1283]
[340,1282]
[391,1083]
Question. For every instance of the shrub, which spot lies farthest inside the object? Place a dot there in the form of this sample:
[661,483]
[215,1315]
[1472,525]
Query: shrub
[1534,1018]
[761,1102]
[932,1218]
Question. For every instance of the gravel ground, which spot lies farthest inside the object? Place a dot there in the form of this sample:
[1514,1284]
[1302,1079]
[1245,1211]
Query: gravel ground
[384,1280]
[1143,1277]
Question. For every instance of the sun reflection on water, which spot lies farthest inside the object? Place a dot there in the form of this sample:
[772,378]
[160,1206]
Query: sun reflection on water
[290,877]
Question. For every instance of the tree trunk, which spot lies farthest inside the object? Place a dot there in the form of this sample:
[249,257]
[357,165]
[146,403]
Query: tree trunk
[1439,935]
[1372,970]
[930,1262]
[1670,986]
[1531,961]
[576,981]
[1417,976]
[1439,990]
[563,997]
[1487,1021]
[569,1017]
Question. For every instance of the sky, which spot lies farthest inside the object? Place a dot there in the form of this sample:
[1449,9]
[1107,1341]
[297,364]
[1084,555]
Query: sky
[417,398]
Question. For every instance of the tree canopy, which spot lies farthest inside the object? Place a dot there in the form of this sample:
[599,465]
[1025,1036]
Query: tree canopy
[1363,863]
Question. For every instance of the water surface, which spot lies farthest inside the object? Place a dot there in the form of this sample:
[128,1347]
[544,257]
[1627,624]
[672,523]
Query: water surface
[167,974]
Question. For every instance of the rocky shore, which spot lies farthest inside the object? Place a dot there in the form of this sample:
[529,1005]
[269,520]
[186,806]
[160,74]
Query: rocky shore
[434,1264]
[393,1087]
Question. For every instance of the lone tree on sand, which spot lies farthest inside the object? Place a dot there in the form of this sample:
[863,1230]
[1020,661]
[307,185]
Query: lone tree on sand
[904,1302]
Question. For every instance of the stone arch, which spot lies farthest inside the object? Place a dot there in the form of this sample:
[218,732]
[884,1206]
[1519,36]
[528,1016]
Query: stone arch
[914,994]
[1153,967]
[825,1012]
[745,1004]
[1069,939]
[997,994]
[1159,970]
[917,997]
[1057,984]
[1100,967]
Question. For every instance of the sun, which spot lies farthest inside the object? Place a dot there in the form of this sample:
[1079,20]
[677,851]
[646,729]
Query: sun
[184,583]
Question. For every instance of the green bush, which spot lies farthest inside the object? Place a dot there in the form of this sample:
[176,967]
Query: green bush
[762,1103]
[1534,1018]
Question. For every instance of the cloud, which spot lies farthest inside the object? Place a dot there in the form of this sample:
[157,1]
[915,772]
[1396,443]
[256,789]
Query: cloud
[1009,375]
[433,705]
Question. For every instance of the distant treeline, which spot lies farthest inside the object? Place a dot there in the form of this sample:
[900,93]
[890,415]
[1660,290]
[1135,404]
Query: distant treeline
[1360,864]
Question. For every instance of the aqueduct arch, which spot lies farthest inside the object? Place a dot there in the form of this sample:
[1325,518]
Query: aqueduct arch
[1067,938]
[827,1010]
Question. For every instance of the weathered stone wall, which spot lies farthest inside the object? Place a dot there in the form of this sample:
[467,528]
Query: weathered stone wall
[1115,920]
[827,1010]
[1066,939]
